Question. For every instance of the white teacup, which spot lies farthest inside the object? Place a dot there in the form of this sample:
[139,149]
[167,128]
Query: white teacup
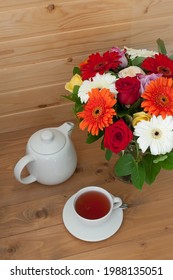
[93,205]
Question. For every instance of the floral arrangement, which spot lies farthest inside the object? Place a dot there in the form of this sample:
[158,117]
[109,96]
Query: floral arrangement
[125,97]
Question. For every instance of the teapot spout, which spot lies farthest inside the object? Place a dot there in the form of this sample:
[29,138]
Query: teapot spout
[66,128]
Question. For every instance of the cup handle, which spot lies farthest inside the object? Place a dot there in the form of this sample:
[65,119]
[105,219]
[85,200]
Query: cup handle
[117,202]
[20,166]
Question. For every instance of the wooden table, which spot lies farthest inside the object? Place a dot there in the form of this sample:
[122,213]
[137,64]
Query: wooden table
[31,225]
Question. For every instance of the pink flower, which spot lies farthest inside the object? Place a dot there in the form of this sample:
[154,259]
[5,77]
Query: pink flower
[122,58]
[146,79]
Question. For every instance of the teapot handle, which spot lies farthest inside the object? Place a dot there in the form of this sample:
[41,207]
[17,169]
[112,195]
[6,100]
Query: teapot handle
[20,166]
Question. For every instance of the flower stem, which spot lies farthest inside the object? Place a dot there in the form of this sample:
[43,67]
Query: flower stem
[137,152]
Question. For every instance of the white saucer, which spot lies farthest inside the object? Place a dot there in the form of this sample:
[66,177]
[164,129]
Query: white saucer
[95,233]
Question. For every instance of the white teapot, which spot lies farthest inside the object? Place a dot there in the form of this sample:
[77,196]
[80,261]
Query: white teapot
[50,156]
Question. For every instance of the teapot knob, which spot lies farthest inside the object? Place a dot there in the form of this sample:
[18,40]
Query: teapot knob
[47,136]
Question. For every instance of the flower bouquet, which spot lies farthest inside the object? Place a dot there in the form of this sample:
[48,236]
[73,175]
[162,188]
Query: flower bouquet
[125,97]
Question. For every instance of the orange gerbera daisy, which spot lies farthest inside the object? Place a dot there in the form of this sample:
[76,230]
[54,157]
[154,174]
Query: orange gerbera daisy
[158,97]
[98,111]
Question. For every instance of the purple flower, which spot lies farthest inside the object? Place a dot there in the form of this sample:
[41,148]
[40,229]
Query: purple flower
[146,79]
[123,58]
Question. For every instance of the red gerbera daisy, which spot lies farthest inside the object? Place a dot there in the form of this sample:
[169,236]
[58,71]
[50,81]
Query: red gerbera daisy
[159,64]
[99,64]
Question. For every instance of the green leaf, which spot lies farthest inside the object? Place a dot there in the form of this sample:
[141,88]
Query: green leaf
[138,175]
[74,96]
[137,61]
[121,110]
[171,57]
[76,70]
[69,97]
[134,107]
[108,154]
[160,158]
[75,90]
[102,145]
[124,165]
[168,162]
[92,138]
[161,46]
[151,169]
[78,108]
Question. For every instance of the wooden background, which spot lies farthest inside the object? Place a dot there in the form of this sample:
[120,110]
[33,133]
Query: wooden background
[31,226]
[41,41]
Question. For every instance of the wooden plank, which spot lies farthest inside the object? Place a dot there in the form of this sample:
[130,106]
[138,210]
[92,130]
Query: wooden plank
[74,15]
[32,98]
[40,116]
[61,45]
[43,212]
[36,75]
[146,248]
[18,4]
[22,217]
[49,243]
[142,242]
[31,225]
[64,17]
[56,71]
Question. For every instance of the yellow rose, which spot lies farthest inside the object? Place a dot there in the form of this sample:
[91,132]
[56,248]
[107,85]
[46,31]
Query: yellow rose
[140,116]
[76,80]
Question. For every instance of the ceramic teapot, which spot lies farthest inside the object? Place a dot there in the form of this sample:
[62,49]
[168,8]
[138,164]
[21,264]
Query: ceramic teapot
[50,156]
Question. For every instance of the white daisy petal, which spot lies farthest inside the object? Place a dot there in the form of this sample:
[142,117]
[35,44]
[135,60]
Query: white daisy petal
[155,148]
[139,52]
[99,81]
[156,134]
[143,143]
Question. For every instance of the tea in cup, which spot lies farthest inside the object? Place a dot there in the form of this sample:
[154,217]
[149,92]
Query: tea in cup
[93,205]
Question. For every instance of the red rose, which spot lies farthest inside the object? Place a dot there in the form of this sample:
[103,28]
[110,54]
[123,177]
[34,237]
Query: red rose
[128,90]
[117,136]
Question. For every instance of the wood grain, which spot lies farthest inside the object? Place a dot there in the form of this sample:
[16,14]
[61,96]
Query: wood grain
[60,45]
[42,40]
[31,225]
[65,16]
[45,115]
[33,98]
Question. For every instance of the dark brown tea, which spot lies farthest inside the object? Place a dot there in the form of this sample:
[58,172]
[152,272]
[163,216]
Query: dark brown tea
[92,205]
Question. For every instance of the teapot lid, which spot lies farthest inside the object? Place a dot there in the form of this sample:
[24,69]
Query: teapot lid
[47,141]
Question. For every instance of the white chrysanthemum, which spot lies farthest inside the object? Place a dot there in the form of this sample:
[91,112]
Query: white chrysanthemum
[139,52]
[99,81]
[156,134]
